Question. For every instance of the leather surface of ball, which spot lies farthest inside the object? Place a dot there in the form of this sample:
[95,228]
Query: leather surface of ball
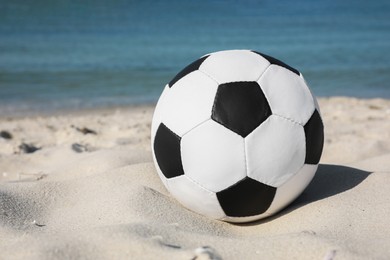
[237,135]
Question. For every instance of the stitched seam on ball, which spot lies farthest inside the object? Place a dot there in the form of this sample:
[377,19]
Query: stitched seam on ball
[315,101]
[293,175]
[215,101]
[208,75]
[261,74]
[201,123]
[231,129]
[288,119]
[245,158]
[200,185]
[171,131]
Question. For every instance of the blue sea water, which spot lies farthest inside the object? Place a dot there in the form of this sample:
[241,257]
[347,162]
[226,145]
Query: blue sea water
[76,54]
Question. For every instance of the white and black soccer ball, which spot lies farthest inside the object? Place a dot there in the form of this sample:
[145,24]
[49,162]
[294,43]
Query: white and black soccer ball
[237,135]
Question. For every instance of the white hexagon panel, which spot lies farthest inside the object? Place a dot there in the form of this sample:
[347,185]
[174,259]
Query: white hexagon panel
[287,94]
[190,101]
[213,156]
[234,65]
[275,151]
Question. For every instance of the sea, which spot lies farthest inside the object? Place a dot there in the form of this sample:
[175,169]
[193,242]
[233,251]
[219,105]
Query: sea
[59,54]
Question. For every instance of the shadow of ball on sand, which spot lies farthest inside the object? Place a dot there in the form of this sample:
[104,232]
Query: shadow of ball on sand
[329,180]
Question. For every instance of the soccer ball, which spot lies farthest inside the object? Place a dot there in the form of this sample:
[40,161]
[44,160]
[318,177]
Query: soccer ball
[237,135]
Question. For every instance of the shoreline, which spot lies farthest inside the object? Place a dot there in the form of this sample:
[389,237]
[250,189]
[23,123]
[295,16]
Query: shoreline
[344,118]
[108,108]
[75,111]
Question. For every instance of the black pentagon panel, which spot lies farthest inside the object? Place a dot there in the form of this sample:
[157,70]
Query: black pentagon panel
[314,133]
[240,106]
[167,150]
[272,60]
[187,70]
[246,198]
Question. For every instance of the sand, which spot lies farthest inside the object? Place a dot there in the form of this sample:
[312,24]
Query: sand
[91,192]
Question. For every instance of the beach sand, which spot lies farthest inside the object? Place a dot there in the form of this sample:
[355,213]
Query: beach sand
[91,191]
